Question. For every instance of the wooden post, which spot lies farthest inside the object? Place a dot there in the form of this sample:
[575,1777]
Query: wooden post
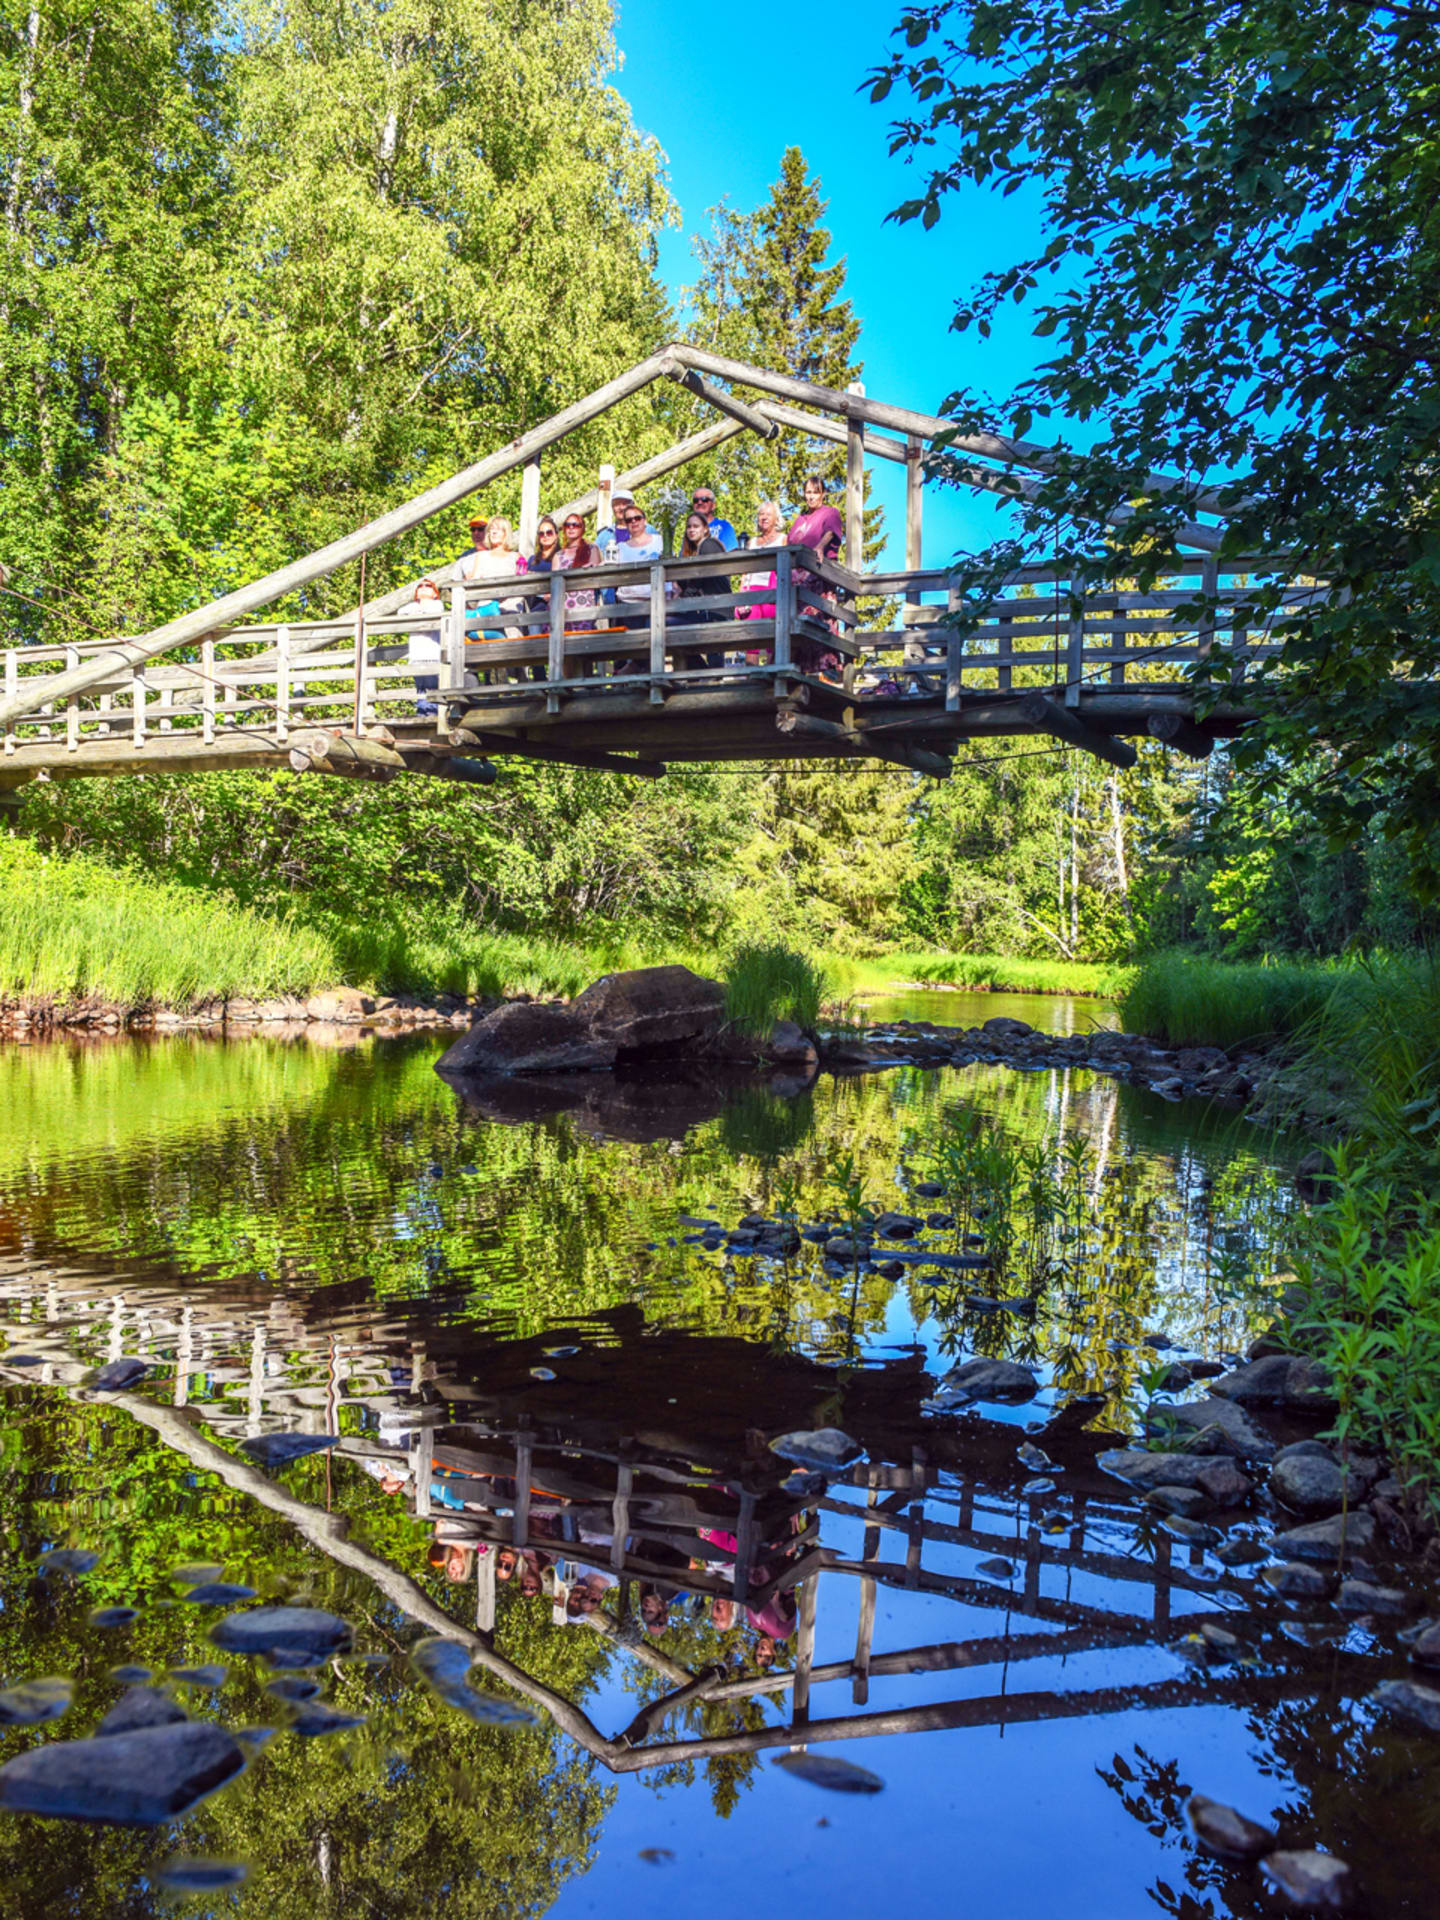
[12,692]
[137,708]
[804,1650]
[529,504]
[424,1468]
[359,714]
[657,633]
[784,613]
[485,1590]
[1209,587]
[914,506]
[605,509]
[620,1511]
[520,1532]
[555,665]
[282,681]
[744,1548]
[72,706]
[855,487]
[207,690]
[453,666]
[954,658]
[1074,652]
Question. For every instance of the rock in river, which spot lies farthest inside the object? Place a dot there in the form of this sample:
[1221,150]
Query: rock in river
[992,1380]
[1233,1430]
[1327,1541]
[826,1770]
[827,1449]
[131,1779]
[1364,1596]
[280,1449]
[1295,1581]
[35,1701]
[119,1375]
[287,1636]
[1224,1831]
[140,1707]
[1308,1478]
[1410,1701]
[1313,1882]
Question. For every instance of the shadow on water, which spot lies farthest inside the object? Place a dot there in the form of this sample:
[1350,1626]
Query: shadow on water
[551,1388]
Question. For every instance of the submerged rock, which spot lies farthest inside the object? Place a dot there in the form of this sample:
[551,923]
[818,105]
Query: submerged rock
[210,1675]
[1293,1580]
[288,1636]
[1277,1380]
[131,1779]
[1215,1426]
[1145,1471]
[118,1375]
[1186,1502]
[313,1722]
[1224,1831]
[1365,1596]
[33,1702]
[280,1449]
[1410,1701]
[1328,1541]
[140,1707]
[76,1561]
[445,1665]
[996,1569]
[114,1616]
[1313,1882]
[825,1770]
[219,1593]
[187,1875]
[1425,1647]
[826,1449]
[992,1380]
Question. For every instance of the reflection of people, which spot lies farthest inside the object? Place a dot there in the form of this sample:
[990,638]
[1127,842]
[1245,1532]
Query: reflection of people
[457,1561]
[586,1595]
[654,1611]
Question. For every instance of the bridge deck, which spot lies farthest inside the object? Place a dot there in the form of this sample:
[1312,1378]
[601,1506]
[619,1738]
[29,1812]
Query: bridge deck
[675,671]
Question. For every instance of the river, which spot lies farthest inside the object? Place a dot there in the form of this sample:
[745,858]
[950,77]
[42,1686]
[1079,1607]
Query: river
[549,1390]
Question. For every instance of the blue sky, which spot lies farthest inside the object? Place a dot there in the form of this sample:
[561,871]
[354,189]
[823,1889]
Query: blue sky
[725,93]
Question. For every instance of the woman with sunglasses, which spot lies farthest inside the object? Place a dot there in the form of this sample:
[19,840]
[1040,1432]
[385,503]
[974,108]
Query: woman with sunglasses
[694,586]
[769,532]
[641,547]
[576,551]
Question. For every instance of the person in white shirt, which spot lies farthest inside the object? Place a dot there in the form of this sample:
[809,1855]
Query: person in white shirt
[423,649]
[642,545]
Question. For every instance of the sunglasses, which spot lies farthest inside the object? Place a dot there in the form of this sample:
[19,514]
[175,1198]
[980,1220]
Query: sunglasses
[573,525]
[634,519]
[703,500]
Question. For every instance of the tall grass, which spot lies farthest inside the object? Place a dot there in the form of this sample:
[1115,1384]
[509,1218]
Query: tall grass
[1191,1001]
[768,982]
[1379,1035]
[74,929]
[987,973]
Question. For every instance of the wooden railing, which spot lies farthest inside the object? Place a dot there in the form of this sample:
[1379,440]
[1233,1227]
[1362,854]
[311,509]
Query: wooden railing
[249,688]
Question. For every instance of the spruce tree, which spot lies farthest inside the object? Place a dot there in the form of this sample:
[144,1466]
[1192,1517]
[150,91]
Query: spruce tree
[769,293]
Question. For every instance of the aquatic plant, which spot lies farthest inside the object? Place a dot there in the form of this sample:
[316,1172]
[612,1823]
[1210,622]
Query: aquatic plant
[1188,1000]
[767,981]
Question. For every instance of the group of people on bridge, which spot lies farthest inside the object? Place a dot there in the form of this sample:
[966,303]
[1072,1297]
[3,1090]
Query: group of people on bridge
[494,556]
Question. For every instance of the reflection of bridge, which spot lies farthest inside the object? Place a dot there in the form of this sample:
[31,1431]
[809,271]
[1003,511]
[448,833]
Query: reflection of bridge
[653,684]
[683,1497]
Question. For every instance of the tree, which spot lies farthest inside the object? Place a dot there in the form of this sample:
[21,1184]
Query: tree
[769,293]
[1242,237]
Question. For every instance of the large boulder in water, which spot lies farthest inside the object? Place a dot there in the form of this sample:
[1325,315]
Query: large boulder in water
[650,1011]
[653,1009]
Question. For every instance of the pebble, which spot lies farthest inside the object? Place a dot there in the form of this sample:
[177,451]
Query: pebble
[196,1573]
[1241,1553]
[1033,1487]
[1193,1532]
[119,1375]
[1313,1882]
[140,1707]
[128,1676]
[826,1449]
[1364,1596]
[1033,1457]
[113,1616]
[219,1593]
[288,1636]
[210,1675]
[280,1449]
[132,1779]
[312,1723]
[1224,1831]
[33,1702]
[1183,1501]
[825,1770]
[1425,1646]
[291,1687]
[1410,1701]
[996,1569]
[444,1665]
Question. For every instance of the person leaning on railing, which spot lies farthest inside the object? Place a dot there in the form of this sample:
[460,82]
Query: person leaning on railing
[821,529]
[699,539]
[642,545]
[423,646]
[577,552]
[769,532]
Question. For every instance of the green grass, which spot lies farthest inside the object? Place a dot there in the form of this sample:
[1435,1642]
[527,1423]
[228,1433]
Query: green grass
[768,982]
[74,929]
[985,973]
[1191,1001]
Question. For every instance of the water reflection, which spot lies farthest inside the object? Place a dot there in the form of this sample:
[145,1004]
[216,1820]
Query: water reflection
[550,1401]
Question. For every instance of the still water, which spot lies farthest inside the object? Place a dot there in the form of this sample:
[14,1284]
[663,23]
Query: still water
[553,1395]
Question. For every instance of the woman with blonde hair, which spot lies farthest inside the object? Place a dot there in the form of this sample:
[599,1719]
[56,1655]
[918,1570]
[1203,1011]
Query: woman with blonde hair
[769,532]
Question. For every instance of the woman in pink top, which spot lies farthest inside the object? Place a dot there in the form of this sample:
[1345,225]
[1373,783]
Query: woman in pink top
[821,529]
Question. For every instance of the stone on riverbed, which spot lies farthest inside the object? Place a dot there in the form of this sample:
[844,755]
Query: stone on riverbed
[826,1449]
[646,1011]
[119,1375]
[1140,1468]
[1277,1380]
[1215,1426]
[1293,1580]
[131,1779]
[1425,1647]
[286,1636]
[1224,1831]
[992,1380]
[1327,1541]
[281,1449]
[1187,1502]
[1410,1701]
[140,1707]
[1313,1882]
[34,1701]
[1308,1478]
[1364,1596]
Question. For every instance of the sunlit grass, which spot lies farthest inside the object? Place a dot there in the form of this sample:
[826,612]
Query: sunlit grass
[986,973]
[766,982]
[1189,1000]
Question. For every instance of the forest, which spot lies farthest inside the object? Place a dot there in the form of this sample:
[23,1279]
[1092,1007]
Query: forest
[242,316]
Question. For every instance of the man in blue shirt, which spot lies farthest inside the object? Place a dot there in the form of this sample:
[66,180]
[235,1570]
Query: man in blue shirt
[703,501]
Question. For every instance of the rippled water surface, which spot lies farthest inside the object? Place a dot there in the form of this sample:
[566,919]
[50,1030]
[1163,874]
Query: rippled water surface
[551,1394]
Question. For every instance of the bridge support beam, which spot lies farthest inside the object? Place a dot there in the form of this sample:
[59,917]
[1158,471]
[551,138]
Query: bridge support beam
[1047,714]
[853,741]
[1178,732]
[595,762]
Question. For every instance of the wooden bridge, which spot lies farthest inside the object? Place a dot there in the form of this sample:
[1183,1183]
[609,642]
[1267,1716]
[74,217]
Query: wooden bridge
[669,672]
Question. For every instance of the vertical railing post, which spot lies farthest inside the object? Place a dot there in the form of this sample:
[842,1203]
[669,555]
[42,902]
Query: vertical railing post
[454,656]
[529,504]
[1074,650]
[855,486]
[282,681]
[1209,590]
[954,657]
[804,1649]
[207,690]
[359,668]
[555,664]
[784,614]
[12,687]
[914,652]
[657,633]
[72,707]
[137,708]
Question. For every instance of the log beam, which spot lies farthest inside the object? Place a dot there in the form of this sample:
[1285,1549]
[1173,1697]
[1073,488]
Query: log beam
[856,743]
[723,402]
[1174,730]
[595,761]
[1040,711]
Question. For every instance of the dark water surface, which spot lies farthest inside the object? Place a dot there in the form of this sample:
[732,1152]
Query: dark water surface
[517,1338]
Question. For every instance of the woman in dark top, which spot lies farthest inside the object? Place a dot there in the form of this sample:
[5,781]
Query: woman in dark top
[542,560]
[698,586]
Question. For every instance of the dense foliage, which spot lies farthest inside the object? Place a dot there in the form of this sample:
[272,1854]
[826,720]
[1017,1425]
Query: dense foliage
[1241,239]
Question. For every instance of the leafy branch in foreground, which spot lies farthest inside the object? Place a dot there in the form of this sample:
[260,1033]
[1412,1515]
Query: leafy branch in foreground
[1241,243]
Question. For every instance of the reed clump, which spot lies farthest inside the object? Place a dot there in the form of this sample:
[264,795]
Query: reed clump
[1189,1000]
[766,982]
